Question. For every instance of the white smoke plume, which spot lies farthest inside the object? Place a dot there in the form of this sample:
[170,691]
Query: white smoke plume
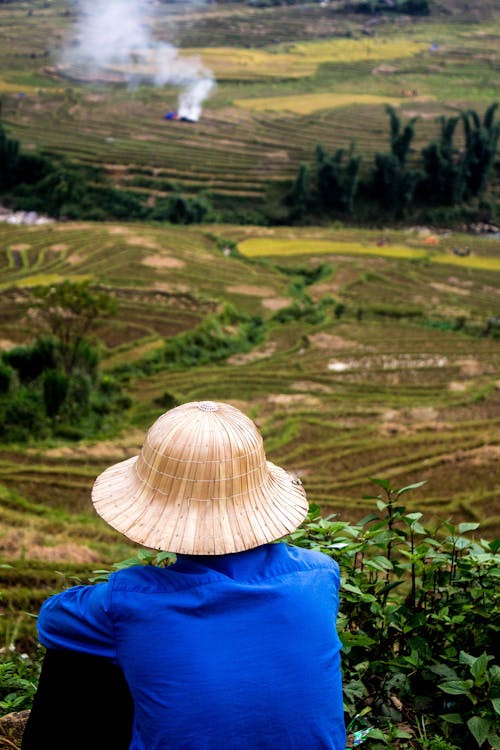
[115,37]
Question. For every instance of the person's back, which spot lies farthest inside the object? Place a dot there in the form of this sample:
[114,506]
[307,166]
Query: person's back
[220,652]
[235,644]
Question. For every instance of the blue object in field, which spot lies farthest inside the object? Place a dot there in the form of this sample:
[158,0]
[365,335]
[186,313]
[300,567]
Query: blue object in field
[170,116]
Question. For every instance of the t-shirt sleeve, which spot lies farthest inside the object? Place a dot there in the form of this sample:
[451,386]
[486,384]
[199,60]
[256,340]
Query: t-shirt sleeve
[79,619]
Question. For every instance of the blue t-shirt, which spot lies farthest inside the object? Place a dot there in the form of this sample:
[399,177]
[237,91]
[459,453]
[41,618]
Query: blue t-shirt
[219,652]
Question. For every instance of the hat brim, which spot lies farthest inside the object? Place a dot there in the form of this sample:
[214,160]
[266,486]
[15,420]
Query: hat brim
[199,527]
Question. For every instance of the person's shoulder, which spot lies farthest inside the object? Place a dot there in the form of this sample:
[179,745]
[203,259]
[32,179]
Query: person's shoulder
[139,578]
[308,558]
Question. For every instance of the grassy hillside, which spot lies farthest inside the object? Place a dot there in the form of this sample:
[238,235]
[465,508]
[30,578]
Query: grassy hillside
[401,385]
[287,79]
[374,391]
[382,367]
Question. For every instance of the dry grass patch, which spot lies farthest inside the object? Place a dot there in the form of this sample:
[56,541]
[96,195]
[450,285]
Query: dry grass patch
[138,241]
[253,356]
[163,261]
[252,291]
[275,303]
[299,400]
[330,341]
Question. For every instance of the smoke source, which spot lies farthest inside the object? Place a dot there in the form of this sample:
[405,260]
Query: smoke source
[116,37]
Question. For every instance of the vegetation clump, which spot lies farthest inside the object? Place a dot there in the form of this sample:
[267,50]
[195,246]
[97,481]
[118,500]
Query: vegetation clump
[54,387]
[398,185]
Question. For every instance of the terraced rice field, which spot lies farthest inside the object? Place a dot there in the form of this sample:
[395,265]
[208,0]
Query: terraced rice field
[376,392]
[287,79]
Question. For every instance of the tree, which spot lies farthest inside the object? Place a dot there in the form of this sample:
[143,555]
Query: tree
[337,178]
[9,160]
[70,312]
[481,140]
[443,181]
[401,138]
[299,197]
[392,184]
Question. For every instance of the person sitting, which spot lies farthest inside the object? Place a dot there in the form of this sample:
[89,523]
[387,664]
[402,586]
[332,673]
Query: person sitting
[234,645]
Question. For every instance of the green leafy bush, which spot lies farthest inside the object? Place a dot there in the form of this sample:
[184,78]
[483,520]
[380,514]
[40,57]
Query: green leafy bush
[418,621]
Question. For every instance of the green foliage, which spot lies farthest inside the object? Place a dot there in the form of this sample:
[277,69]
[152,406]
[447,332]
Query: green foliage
[70,312]
[445,177]
[9,159]
[392,185]
[54,386]
[337,179]
[298,199]
[19,674]
[29,362]
[329,187]
[6,374]
[443,180]
[180,210]
[411,7]
[401,138]
[55,390]
[481,140]
[217,337]
[418,621]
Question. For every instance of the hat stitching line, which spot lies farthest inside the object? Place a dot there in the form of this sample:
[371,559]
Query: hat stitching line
[210,499]
[188,479]
[194,461]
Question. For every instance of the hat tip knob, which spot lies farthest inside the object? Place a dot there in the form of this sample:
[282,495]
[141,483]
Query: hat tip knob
[207,406]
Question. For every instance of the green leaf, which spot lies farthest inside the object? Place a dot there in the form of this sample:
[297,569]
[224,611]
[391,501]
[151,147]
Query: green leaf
[456,687]
[479,667]
[452,718]
[410,487]
[496,705]
[479,728]
[413,516]
[379,562]
[494,545]
[381,483]
[467,526]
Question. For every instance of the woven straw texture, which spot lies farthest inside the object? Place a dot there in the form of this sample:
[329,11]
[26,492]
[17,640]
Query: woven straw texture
[201,485]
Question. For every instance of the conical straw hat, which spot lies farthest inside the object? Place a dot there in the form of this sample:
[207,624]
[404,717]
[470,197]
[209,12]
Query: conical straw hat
[201,485]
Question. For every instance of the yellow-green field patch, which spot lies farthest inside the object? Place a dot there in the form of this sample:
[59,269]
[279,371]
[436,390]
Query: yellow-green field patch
[471,261]
[261,247]
[267,246]
[43,279]
[306,104]
[301,59]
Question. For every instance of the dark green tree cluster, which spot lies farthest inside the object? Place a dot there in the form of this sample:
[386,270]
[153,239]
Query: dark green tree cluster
[329,187]
[410,7]
[399,184]
[54,386]
[392,182]
[38,182]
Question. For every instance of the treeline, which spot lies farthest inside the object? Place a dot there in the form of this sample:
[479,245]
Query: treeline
[397,185]
[408,7]
[61,189]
